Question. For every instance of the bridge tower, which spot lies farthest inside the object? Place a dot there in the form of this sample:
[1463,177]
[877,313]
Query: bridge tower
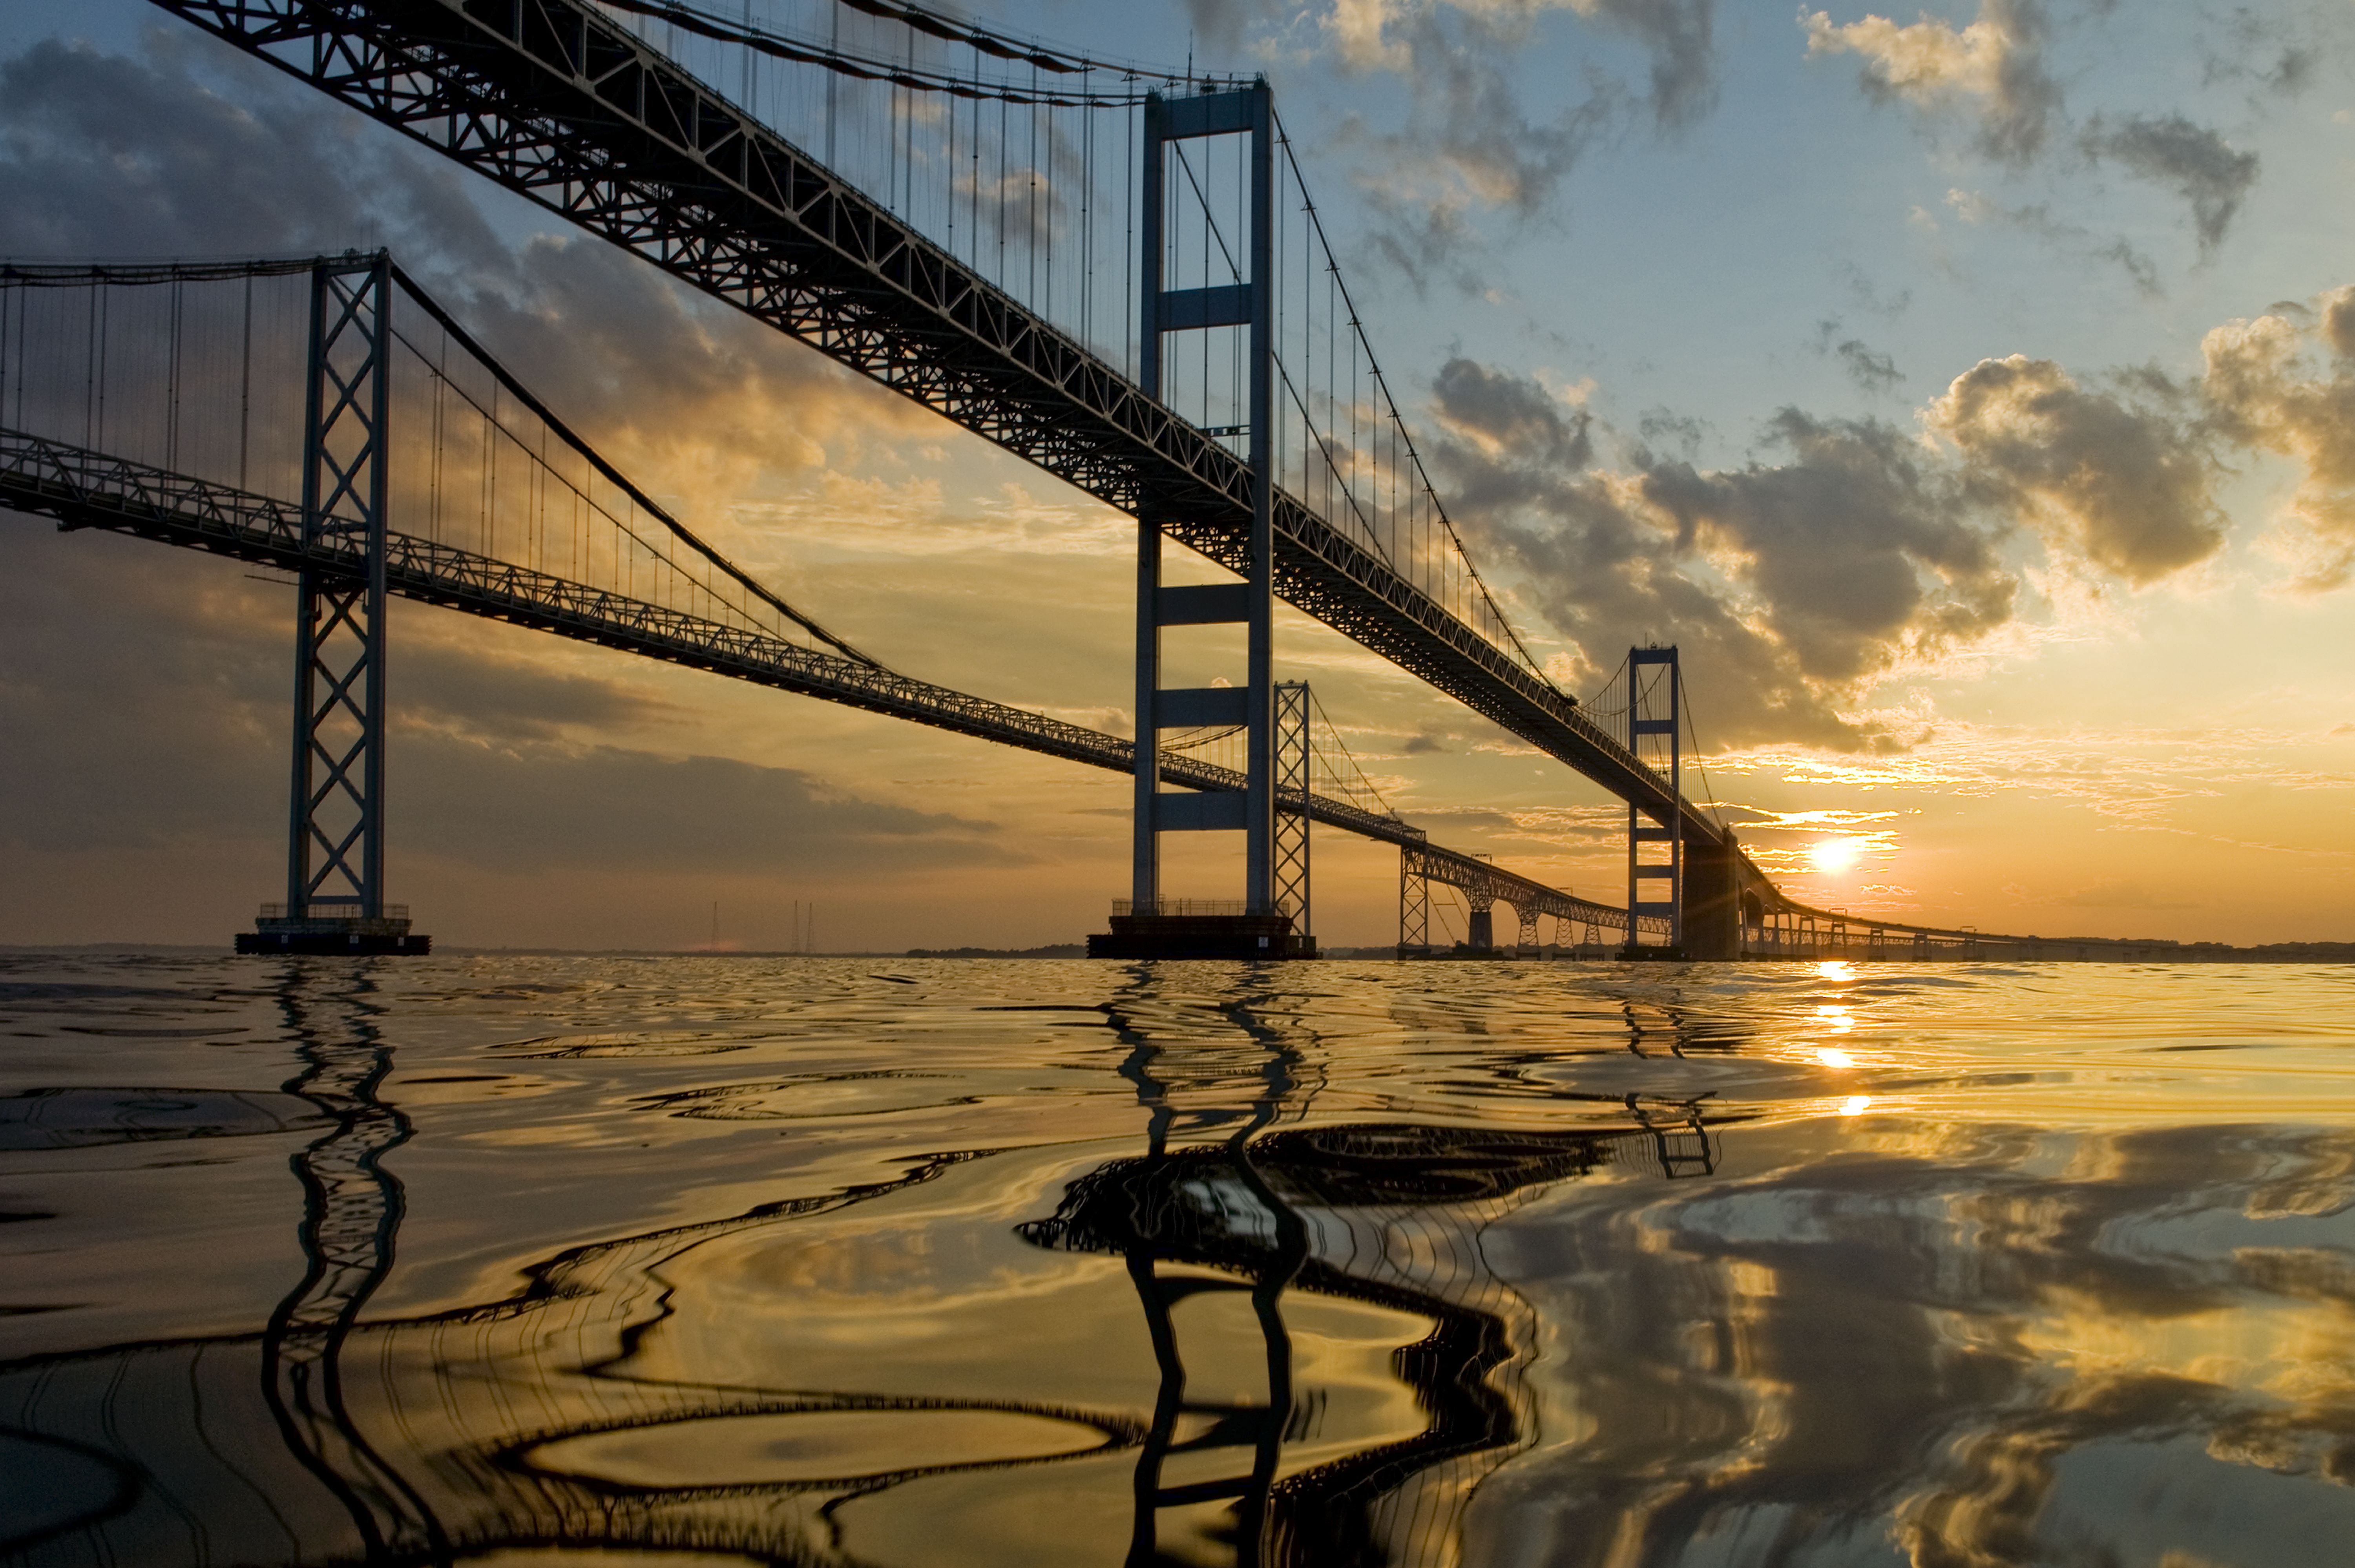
[1261,926]
[1654,715]
[335,829]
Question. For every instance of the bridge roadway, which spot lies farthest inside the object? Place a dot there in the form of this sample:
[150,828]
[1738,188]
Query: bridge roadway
[553,99]
[81,489]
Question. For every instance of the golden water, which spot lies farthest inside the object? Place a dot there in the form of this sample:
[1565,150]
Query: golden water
[519,1260]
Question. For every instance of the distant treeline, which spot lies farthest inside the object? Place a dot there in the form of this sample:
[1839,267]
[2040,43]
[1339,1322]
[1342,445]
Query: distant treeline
[1057,950]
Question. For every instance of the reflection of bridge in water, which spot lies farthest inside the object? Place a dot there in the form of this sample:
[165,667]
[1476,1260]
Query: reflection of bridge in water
[568,1413]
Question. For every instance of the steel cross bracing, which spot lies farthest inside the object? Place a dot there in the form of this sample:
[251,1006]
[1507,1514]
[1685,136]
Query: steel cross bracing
[81,489]
[556,101]
[335,811]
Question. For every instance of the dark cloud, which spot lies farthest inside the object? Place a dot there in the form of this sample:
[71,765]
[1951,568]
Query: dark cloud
[1849,547]
[148,693]
[1871,370]
[1785,583]
[541,808]
[104,155]
[1679,36]
[2278,52]
[451,687]
[2038,219]
[2191,160]
[1504,412]
[2122,481]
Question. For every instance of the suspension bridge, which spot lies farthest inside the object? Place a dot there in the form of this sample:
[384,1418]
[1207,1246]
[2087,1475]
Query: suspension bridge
[1114,272]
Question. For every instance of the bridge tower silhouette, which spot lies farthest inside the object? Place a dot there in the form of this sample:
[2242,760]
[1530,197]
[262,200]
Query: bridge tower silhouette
[334,830]
[1262,926]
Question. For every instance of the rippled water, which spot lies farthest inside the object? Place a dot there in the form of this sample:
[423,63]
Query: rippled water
[831,1261]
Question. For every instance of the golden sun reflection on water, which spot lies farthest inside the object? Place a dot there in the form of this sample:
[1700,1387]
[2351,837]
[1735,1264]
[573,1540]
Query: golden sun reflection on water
[1023,1263]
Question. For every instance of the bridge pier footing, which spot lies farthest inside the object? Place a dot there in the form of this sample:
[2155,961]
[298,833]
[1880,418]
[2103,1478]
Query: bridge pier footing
[1712,922]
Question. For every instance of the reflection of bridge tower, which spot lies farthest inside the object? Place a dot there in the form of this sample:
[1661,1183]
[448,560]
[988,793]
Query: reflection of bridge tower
[1213,1426]
[1390,1217]
[351,1214]
[1655,713]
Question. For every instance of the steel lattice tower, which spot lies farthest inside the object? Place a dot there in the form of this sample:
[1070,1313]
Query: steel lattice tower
[335,845]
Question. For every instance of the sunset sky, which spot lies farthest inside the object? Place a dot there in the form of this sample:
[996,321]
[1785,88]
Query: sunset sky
[1969,393]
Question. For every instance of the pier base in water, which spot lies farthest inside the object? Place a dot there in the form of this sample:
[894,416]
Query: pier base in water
[1246,936]
[341,935]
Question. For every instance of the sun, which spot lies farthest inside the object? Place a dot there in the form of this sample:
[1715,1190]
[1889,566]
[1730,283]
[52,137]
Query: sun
[1835,854]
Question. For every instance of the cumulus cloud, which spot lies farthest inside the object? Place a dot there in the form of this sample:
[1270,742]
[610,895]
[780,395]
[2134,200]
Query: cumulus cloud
[1848,550]
[2124,484]
[2191,160]
[1786,583]
[1993,68]
[2288,387]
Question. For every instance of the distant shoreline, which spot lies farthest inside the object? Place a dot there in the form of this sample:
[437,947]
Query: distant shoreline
[2176,953]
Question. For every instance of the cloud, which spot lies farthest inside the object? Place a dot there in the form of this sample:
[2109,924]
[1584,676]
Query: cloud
[2125,485]
[1994,68]
[2191,160]
[1469,143]
[105,156]
[1410,37]
[2286,388]
[1850,549]
[540,808]
[2036,217]
[1871,370]
[1786,584]
[1679,37]
[1497,411]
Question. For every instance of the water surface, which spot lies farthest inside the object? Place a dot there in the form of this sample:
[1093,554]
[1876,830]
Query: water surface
[523,1261]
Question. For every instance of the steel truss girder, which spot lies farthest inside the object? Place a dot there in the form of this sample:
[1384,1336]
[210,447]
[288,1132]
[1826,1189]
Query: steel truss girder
[553,99]
[80,488]
[1484,885]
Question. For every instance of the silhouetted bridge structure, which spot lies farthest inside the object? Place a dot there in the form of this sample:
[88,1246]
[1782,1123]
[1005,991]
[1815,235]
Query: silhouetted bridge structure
[1206,372]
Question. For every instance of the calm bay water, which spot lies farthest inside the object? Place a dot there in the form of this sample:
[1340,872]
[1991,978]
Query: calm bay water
[520,1260]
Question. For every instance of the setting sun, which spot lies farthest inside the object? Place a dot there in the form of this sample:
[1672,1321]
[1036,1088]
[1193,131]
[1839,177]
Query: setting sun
[1835,854]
